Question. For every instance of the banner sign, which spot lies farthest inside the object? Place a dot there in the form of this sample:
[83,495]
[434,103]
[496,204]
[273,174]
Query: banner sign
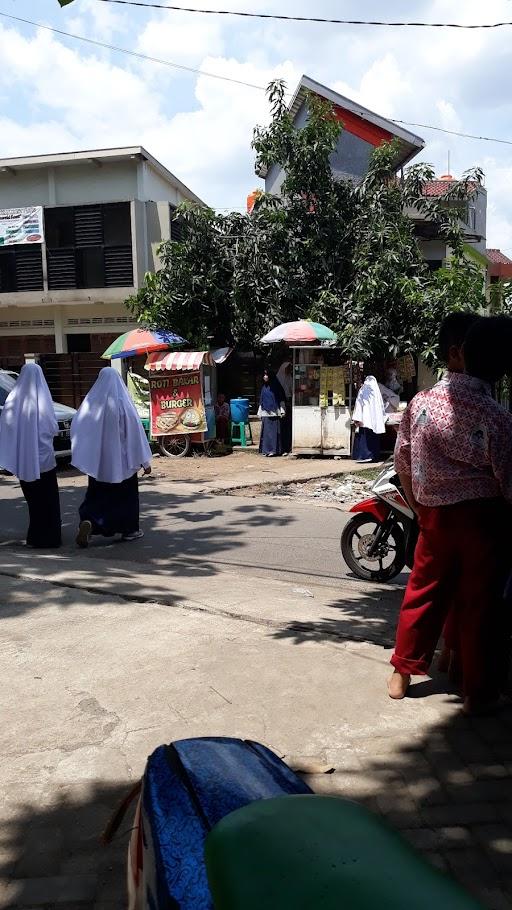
[177,405]
[138,387]
[21,225]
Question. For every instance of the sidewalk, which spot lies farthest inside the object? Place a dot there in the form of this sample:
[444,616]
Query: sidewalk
[244,469]
[107,663]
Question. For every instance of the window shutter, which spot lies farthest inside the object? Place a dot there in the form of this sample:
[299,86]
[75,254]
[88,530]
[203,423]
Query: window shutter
[118,267]
[88,225]
[61,269]
[29,268]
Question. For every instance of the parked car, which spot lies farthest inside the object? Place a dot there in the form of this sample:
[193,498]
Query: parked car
[64,415]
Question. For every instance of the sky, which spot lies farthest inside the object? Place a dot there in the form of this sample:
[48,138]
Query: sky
[58,94]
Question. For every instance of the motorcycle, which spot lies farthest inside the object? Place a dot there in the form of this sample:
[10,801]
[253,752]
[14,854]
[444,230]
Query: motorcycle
[380,538]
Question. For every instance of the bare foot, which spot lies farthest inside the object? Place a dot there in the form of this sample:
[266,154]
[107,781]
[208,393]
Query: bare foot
[398,684]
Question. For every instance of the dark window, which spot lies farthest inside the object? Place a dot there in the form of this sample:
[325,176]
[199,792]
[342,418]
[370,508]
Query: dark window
[21,268]
[59,228]
[176,225]
[89,246]
[91,267]
[78,344]
[116,224]
[434,264]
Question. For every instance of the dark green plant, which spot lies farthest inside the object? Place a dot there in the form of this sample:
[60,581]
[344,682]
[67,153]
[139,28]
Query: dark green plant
[342,253]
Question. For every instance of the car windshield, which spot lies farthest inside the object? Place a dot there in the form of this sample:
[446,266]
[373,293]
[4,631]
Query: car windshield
[6,385]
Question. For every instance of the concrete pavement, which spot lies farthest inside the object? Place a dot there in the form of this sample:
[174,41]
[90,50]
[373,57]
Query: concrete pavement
[190,533]
[108,654]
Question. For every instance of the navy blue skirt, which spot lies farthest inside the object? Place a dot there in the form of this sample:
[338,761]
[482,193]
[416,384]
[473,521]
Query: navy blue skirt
[366,445]
[270,439]
[112,508]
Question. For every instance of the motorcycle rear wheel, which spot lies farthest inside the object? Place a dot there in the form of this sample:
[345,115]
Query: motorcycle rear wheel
[354,547]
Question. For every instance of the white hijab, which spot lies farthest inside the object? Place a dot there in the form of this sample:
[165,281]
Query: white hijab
[369,409]
[285,379]
[27,426]
[107,438]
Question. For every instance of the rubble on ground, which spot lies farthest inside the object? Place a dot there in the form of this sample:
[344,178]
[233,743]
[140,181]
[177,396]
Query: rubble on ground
[344,488]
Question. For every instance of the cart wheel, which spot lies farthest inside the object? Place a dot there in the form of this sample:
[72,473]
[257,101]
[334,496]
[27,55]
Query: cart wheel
[174,446]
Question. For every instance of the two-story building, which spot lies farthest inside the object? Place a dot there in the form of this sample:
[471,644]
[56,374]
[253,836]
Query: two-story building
[363,131]
[94,221]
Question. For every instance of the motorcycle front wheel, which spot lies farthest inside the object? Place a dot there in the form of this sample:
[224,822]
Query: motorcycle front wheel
[388,559]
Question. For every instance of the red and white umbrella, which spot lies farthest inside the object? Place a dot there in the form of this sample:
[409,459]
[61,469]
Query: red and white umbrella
[303,330]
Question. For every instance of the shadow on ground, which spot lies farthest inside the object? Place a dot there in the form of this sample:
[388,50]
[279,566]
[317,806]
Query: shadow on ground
[53,857]
[450,794]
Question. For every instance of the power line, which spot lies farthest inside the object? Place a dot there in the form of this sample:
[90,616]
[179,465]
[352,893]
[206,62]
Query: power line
[440,129]
[283,18]
[201,72]
[124,50]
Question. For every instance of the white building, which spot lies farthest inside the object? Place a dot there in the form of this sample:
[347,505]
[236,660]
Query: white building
[104,214]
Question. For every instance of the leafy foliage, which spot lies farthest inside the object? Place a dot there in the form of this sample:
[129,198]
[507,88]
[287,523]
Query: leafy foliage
[345,254]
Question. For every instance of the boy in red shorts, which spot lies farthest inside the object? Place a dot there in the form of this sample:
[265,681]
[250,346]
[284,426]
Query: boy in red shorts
[454,459]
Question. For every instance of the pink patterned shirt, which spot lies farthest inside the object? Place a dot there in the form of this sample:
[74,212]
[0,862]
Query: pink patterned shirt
[455,442]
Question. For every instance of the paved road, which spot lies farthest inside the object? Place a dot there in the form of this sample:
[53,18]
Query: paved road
[264,536]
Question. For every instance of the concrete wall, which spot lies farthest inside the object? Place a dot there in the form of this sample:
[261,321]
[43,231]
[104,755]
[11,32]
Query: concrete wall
[82,184]
[480,201]
[74,184]
[31,187]
[433,249]
[157,189]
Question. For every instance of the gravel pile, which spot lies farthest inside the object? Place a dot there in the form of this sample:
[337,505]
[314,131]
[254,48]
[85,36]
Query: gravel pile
[347,488]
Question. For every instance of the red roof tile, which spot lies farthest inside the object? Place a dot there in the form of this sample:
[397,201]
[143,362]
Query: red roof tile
[498,257]
[440,187]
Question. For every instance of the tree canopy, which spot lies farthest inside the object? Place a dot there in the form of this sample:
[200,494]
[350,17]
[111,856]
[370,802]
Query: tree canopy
[341,252]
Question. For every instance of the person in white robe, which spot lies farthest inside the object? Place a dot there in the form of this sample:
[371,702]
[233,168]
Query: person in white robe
[27,429]
[369,417]
[109,445]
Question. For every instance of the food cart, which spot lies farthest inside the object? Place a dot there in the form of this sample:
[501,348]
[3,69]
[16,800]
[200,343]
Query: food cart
[183,392]
[323,389]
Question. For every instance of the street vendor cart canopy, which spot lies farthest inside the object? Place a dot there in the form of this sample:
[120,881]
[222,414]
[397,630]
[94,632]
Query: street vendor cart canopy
[185,360]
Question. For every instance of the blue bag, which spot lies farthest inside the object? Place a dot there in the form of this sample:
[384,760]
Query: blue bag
[187,788]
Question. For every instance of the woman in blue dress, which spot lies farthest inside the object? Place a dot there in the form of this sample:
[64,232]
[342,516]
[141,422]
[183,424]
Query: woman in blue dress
[271,411]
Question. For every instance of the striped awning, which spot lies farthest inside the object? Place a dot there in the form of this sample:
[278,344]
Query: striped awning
[185,360]
[177,360]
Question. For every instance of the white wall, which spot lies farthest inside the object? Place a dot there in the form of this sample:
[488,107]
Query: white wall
[82,184]
[29,187]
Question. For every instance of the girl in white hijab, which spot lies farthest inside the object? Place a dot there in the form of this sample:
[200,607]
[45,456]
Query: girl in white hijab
[109,445]
[369,417]
[27,428]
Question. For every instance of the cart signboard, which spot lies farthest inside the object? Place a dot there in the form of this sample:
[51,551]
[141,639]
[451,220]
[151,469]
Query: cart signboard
[177,405]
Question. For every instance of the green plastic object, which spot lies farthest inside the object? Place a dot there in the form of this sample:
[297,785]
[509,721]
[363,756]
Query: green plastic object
[320,853]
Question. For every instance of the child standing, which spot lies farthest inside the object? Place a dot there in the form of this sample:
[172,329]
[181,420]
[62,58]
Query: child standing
[454,459]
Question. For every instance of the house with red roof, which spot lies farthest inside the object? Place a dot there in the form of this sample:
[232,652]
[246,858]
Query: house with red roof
[363,131]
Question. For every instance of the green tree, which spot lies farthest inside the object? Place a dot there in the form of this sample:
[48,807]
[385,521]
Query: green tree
[326,248]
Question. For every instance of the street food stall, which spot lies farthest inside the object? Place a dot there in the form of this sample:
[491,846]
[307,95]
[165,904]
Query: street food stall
[183,391]
[323,388]
[323,382]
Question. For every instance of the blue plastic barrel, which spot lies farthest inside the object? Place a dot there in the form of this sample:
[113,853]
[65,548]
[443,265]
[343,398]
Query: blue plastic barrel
[239,410]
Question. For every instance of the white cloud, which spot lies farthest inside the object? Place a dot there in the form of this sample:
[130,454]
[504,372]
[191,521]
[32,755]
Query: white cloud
[98,20]
[60,95]
[449,119]
[181,39]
